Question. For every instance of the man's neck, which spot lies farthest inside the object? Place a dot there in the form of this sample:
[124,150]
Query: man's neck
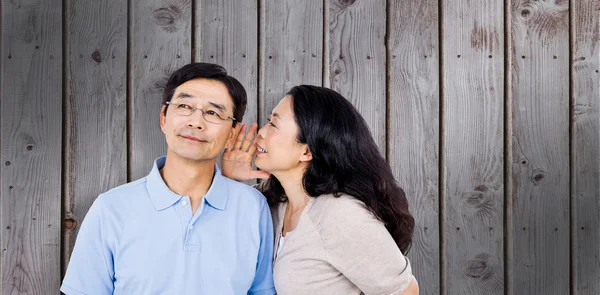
[188,178]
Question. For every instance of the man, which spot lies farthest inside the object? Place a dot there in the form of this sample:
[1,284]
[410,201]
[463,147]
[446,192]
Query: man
[184,228]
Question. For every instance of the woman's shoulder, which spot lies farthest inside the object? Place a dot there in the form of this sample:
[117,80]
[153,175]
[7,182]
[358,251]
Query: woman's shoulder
[331,213]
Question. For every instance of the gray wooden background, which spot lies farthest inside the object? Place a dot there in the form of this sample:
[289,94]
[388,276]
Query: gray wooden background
[487,111]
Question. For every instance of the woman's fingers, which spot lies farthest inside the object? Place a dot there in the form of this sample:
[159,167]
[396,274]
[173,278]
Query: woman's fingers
[259,174]
[240,138]
[248,143]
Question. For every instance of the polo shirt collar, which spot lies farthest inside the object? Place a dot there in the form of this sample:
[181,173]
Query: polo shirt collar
[162,197]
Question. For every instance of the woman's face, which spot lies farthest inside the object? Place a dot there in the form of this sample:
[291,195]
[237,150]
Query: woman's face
[277,149]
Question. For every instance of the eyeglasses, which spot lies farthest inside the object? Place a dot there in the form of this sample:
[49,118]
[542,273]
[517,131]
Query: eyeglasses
[209,114]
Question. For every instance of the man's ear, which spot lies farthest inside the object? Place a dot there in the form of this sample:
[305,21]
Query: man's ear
[163,118]
[234,131]
[306,155]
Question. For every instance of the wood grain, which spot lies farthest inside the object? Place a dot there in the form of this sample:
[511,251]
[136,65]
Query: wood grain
[472,147]
[413,139]
[291,49]
[161,43]
[538,143]
[227,34]
[31,107]
[96,108]
[585,145]
[356,58]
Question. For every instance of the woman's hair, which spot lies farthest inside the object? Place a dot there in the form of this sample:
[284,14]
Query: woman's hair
[345,160]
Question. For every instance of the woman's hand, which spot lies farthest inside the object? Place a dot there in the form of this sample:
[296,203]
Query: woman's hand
[236,162]
[413,288]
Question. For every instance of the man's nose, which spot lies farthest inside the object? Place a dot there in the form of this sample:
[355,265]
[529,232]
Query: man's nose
[196,120]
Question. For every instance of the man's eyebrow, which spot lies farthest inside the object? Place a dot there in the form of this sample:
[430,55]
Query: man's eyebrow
[218,106]
[184,95]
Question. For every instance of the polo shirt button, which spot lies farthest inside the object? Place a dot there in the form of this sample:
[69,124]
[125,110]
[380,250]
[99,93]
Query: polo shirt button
[183,203]
[190,227]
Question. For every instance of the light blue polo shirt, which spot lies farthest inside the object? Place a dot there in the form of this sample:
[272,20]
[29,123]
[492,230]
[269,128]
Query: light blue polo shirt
[141,238]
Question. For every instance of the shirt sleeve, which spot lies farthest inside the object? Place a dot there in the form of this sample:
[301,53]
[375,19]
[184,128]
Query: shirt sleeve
[263,280]
[358,245]
[90,269]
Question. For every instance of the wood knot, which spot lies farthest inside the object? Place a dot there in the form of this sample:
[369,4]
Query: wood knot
[346,3]
[27,140]
[480,199]
[479,267]
[538,176]
[160,84]
[525,12]
[481,188]
[96,56]
[166,17]
[69,223]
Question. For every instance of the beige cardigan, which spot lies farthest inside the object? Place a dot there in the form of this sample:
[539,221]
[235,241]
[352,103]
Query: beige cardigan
[338,247]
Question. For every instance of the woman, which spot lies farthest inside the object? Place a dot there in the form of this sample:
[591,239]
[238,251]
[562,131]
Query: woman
[341,221]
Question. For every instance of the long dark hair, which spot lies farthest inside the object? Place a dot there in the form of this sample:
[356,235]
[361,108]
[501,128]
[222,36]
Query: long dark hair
[345,160]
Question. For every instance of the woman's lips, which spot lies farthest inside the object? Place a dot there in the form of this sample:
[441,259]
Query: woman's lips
[261,150]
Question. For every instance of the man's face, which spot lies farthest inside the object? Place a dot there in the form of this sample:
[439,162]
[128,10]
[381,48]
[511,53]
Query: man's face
[192,137]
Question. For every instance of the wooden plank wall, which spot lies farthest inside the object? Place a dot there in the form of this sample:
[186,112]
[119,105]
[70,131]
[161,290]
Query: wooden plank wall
[538,142]
[160,42]
[356,58]
[414,126]
[585,143]
[96,107]
[472,148]
[487,111]
[32,130]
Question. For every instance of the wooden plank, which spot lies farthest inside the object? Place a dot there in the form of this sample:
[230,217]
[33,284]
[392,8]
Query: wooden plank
[161,42]
[413,89]
[356,58]
[96,111]
[472,147]
[31,128]
[291,49]
[220,41]
[538,144]
[585,143]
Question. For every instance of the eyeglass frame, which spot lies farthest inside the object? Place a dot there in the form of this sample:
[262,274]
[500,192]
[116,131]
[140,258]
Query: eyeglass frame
[202,111]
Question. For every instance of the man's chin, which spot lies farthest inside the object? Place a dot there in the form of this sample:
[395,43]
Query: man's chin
[196,157]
